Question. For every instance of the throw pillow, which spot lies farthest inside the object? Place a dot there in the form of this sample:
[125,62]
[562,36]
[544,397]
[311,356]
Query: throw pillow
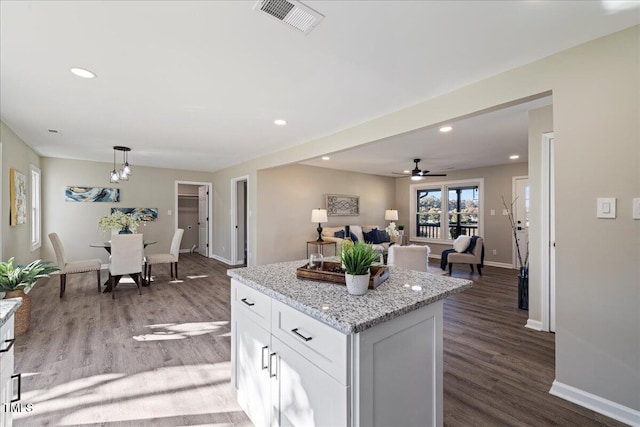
[384,236]
[340,234]
[461,243]
[370,236]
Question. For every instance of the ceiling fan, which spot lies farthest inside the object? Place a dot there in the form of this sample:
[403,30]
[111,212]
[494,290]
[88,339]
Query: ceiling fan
[417,173]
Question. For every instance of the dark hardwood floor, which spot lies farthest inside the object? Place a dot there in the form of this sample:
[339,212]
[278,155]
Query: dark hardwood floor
[163,358]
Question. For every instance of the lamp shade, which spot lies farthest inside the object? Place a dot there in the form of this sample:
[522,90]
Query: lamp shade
[391,215]
[319,215]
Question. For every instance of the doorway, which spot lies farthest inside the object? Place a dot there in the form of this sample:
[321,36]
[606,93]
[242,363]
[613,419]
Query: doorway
[239,225]
[192,215]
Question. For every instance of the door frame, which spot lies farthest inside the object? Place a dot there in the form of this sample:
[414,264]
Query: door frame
[233,217]
[547,270]
[209,207]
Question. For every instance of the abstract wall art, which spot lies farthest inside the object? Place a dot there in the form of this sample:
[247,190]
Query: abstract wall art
[92,194]
[143,214]
[18,197]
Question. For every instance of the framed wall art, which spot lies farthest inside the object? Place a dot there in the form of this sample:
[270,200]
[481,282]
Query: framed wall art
[92,194]
[17,197]
[342,205]
[143,214]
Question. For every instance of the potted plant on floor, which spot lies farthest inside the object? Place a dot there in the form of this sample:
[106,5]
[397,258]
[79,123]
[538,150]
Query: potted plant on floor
[15,280]
[357,260]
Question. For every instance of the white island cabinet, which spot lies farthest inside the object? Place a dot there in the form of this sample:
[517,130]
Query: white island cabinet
[7,378]
[308,354]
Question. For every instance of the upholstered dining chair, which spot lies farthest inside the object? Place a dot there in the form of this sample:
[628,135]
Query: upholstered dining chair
[412,257]
[70,267]
[127,253]
[170,258]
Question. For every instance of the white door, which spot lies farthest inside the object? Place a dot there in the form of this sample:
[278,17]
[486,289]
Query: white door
[203,220]
[302,394]
[252,370]
[521,216]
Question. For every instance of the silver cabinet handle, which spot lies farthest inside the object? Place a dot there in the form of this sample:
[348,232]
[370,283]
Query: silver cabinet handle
[264,365]
[244,300]
[11,341]
[273,370]
[295,331]
[19,377]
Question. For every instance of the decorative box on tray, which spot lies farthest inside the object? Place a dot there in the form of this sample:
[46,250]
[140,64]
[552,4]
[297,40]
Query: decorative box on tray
[332,272]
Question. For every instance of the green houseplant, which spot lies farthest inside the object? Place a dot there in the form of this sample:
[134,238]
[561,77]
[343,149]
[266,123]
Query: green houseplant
[15,280]
[357,260]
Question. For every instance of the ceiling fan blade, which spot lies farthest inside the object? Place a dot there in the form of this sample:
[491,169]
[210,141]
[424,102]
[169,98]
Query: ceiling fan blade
[435,174]
[400,173]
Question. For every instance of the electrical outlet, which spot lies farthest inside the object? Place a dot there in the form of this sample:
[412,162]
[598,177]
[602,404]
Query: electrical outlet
[495,252]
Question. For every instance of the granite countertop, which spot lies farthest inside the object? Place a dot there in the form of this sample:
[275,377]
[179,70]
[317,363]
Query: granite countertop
[7,308]
[403,292]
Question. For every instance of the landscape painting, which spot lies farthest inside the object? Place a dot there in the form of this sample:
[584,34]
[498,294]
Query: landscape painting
[92,194]
[143,214]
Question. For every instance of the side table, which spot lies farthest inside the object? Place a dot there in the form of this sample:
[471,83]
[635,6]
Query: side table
[320,246]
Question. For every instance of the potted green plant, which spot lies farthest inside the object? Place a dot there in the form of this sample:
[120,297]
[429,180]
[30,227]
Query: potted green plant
[15,280]
[119,221]
[357,260]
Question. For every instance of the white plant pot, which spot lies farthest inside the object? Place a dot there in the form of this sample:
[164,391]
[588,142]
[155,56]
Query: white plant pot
[357,284]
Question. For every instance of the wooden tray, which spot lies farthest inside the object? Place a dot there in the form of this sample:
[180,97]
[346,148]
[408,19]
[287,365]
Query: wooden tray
[331,272]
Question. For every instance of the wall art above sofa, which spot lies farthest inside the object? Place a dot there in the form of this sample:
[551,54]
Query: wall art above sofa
[342,205]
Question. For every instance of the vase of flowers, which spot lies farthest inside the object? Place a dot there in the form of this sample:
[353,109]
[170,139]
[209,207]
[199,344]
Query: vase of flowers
[523,259]
[119,221]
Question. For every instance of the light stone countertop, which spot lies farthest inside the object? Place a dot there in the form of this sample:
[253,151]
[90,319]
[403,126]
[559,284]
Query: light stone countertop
[7,308]
[331,304]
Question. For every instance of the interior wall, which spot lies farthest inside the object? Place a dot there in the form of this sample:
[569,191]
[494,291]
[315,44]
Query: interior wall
[497,230]
[540,122]
[16,240]
[77,223]
[293,191]
[595,115]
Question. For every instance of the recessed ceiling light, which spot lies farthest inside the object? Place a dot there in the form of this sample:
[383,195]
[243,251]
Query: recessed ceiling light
[445,129]
[280,122]
[84,73]
[325,157]
[514,156]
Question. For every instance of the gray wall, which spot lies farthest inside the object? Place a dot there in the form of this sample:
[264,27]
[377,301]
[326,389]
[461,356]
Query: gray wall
[289,193]
[497,183]
[16,240]
[77,223]
[595,90]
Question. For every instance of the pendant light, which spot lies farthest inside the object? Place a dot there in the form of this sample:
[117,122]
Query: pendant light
[117,175]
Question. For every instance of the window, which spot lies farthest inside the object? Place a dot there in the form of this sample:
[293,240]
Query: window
[462,200]
[36,221]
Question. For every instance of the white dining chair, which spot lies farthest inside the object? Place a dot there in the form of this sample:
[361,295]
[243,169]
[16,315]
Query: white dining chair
[70,267]
[127,252]
[166,258]
[412,257]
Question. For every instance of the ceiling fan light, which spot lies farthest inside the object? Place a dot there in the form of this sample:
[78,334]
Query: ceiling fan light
[416,178]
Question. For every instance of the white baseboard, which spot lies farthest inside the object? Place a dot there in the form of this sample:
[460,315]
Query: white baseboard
[596,403]
[536,325]
[185,251]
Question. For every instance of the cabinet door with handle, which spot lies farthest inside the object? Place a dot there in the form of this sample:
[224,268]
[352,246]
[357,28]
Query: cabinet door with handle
[252,370]
[302,394]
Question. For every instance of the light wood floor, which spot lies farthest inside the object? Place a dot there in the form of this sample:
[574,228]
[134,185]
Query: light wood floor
[162,359]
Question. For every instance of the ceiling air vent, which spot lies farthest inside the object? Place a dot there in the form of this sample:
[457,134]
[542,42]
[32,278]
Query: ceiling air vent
[292,13]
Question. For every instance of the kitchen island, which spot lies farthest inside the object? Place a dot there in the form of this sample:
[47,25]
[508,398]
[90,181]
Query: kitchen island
[308,353]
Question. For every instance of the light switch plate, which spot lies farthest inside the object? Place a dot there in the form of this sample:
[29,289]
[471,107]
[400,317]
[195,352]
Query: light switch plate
[606,207]
[636,208]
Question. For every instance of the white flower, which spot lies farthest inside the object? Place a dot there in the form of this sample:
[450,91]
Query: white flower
[391,229]
[118,221]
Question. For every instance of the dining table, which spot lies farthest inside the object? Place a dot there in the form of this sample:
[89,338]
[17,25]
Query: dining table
[106,245]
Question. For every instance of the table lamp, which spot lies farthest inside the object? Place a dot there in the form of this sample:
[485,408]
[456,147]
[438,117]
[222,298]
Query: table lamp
[391,215]
[319,216]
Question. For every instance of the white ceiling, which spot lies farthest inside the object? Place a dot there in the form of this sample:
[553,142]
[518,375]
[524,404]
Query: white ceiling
[197,85]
